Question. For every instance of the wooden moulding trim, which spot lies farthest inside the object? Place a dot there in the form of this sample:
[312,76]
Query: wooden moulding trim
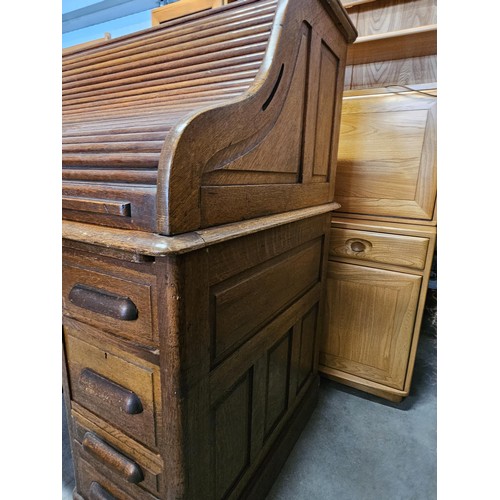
[402,44]
[344,21]
[383,226]
[430,87]
[157,246]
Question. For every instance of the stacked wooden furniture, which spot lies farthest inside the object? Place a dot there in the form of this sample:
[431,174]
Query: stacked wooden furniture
[198,178]
[182,8]
[383,236]
[397,43]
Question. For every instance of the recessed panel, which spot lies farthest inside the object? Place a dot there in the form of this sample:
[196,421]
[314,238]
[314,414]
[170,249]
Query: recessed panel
[246,302]
[369,321]
[387,156]
[231,419]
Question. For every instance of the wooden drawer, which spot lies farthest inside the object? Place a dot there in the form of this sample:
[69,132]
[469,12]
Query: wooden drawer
[94,484]
[115,385]
[117,305]
[406,251]
[117,457]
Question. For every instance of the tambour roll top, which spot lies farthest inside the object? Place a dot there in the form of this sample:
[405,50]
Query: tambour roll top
[121,100]
[216,117]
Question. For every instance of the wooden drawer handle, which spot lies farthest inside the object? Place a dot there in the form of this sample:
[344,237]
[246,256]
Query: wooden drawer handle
[101,450]
[105,207]
[102,302]
[358,246]
[98,386]
[97,492]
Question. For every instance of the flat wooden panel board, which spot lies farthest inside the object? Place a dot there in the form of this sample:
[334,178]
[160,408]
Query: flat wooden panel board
[307,344]
[413,42]
[384,16]
[180,9]
[387,155]
[278,376]
[329,65]
[396,44]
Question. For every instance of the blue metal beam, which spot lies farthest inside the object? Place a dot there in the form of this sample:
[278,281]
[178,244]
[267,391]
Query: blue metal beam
[106,10]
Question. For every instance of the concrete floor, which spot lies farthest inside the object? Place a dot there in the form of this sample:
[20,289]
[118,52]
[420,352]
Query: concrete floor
[357,446]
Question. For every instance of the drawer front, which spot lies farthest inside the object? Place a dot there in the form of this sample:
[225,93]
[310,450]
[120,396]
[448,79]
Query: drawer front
[116,305]
[406,251]
[114,385]
[96,482]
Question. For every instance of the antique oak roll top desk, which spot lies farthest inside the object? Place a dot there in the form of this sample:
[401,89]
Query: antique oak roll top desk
[199,162]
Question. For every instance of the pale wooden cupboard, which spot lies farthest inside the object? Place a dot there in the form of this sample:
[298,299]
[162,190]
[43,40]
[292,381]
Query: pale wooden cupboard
[382,239]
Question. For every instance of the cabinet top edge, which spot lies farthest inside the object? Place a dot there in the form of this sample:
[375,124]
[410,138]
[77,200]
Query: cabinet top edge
[155,245]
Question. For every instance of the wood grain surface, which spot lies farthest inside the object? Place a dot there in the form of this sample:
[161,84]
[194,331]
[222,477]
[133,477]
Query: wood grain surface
[399,250]
[235,373]
[241,82]
[396,44]
[207,148]
[387,155]
[370,325]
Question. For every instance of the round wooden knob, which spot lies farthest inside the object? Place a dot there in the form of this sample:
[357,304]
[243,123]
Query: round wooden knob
[357,246]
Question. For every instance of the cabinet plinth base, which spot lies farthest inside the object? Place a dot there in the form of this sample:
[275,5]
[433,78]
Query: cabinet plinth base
[364,385]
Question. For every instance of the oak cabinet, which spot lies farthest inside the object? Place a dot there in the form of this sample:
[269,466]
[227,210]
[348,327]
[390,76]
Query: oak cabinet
[382,239]
[212,409]
[377,279]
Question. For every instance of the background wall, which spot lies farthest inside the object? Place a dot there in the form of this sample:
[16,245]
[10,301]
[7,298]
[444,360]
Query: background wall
[85,20]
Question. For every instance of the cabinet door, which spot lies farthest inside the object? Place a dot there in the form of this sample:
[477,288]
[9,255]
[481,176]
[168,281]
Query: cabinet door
[370,316]
[387,156]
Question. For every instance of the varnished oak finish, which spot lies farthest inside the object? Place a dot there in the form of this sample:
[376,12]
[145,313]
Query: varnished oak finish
[214,415]
[207,119]
[371,322]
[399,250]
[382,243]
[199,162]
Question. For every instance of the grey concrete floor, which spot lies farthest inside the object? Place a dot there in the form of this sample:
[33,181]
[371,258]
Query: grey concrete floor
[68,476]
[357,446]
